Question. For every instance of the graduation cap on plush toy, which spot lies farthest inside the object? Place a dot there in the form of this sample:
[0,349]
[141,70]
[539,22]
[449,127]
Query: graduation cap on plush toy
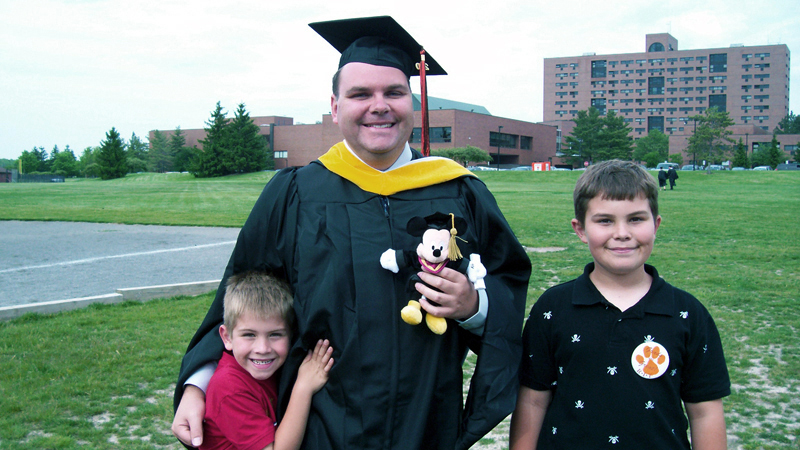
[381,41]
[439,221]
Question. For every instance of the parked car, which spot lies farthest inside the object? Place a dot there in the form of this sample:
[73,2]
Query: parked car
[762,168]
[788,166]
[522,168]
[715,167]
[666,166]
[739,168]
[691,167]
[480,168]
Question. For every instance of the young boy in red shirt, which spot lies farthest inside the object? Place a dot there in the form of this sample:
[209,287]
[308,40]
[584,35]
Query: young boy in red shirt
[241,397]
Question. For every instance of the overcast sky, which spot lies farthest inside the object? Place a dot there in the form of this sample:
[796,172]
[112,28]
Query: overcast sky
[72,69]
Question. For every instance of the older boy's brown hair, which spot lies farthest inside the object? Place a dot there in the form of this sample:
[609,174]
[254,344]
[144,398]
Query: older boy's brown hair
[614,180]
[259,294]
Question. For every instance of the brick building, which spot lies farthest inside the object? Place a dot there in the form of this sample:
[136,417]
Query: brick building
[452,124]
[663,86]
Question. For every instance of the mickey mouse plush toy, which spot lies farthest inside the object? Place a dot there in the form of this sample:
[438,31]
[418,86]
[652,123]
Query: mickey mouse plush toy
[437,250]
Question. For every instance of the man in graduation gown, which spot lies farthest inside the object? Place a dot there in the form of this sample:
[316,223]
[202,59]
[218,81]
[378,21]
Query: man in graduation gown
[323,228]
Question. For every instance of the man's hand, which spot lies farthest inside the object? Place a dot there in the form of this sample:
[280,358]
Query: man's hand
[457,300]
[188,422]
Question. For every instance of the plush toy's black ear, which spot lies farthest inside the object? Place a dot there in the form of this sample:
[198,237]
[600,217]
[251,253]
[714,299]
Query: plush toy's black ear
[417,226]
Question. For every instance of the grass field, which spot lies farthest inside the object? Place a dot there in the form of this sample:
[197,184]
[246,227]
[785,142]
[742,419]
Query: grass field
[102,377]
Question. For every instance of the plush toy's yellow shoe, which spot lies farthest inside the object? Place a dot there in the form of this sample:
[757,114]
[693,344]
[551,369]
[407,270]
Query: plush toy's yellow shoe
[411,313]
[437,324]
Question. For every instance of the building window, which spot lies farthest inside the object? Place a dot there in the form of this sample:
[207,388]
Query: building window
[686,59]
[503,140]
[718,100]
[716,78]
[762,76]
[686,79]
[656,47]
[525,142]
[280,155]
[600,105]
[761,86]
[762,55]
[655,85]
[436,134]
[573,65]
[599,69]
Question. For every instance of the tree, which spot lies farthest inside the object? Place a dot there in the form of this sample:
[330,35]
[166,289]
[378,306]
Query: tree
[710,139]
[64,163]
[246,147]
[655,142]
[111,159]
[463,155]
[585,137]
[30,161]
[181,154]
[775,155]
[211,160]
[87,163]
[789,124]
[137,154]
[740,158]
[159,159]
[614,140]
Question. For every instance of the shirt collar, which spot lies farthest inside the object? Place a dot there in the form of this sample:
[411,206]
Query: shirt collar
[404,158]
[658,300]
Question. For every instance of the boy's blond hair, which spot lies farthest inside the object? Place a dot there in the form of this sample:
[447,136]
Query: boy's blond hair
[259,294]
[614,180]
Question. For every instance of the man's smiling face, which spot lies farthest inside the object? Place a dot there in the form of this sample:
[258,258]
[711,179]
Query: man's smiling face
[374,111]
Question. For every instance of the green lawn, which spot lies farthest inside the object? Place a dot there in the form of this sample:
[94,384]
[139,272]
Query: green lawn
[102,377]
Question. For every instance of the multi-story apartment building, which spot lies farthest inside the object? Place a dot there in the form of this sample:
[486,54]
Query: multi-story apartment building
[662,87]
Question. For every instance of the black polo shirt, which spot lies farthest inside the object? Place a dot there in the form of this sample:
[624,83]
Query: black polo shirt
[618,378]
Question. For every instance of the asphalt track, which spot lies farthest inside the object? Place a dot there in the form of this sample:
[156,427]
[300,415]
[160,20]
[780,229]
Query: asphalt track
[45,261]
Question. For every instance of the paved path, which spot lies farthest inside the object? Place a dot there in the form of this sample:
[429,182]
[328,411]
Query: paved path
[44,261]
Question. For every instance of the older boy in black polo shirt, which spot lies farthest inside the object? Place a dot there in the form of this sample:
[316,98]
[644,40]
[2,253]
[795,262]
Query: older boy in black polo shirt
[609,357]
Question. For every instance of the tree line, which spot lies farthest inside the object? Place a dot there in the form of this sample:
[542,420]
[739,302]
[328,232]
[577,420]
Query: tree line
[598,138]
[231,146]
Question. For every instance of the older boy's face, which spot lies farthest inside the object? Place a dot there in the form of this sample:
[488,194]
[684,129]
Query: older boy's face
[260,346]
[620,234]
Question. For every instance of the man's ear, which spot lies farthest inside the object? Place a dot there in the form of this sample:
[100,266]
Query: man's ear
[334,109]
[226,338]
[576,225]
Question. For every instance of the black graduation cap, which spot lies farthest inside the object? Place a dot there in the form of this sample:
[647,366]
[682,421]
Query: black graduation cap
[379,41]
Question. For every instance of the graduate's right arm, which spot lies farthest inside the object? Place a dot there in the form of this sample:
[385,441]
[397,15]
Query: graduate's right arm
[528,416]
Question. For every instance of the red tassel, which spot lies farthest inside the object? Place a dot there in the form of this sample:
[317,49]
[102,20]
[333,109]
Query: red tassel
[426,142]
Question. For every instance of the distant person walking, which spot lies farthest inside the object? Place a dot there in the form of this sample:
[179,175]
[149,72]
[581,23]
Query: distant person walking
[672,175]
[662,179]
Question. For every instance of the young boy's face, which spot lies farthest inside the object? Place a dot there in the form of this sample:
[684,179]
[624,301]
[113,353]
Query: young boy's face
[620,233]
[260,346]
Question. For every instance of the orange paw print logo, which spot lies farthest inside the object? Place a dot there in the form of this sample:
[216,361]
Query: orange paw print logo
[650,359]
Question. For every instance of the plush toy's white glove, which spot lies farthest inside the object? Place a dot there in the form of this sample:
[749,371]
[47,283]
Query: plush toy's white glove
[476,271]
[389,262]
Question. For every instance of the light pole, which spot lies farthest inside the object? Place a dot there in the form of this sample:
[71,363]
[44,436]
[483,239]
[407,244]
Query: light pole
[499,129]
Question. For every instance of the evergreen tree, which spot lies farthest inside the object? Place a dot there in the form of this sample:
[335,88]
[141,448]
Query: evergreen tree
[137,154]
[159,159]
[247,148]
[740,158]
[111,159]
[710,139]
[181,154]
[585,137]
[614,140]
[775,155]
[789,124]
[212,160]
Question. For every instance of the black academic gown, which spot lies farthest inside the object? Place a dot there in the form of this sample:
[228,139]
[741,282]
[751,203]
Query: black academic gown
[393,385]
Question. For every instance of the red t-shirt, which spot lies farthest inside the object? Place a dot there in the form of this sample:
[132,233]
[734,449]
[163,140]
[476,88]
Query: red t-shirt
[240,411]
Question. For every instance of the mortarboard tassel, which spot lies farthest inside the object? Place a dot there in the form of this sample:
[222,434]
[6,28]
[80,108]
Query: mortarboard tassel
[426,142]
